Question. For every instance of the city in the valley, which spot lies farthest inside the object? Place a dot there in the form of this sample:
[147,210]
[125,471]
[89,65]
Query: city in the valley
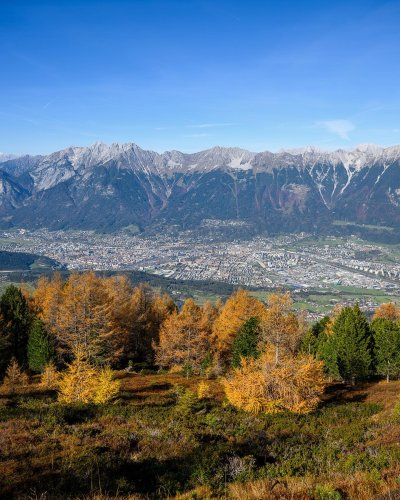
[299,262]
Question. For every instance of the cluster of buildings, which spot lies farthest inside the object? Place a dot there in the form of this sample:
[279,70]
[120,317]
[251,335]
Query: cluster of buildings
[297,261]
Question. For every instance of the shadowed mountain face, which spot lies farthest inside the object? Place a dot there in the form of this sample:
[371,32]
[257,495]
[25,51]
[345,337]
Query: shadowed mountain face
[110,187]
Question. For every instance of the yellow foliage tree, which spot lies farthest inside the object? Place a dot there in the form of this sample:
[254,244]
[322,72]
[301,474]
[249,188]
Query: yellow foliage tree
[106,388]
[237,310]
[77,384]
[204,390]
[46,301]
[280,327]
[84,321]
[259,385]
[136,315]
[81,313]
[49,378]
[387,311]
[83,383]
[148,312]
[14,379]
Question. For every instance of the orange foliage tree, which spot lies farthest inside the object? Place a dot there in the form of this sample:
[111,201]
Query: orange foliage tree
[185,337]
[147,312]
[387,311]
[106,317]
[237,310]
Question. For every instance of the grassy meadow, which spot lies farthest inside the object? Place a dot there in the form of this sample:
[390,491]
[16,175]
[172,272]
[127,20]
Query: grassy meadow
[159,440]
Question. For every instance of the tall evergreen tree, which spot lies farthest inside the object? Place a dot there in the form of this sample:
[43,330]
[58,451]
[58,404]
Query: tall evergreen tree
[314,336]
[386,334]
[353,344]
[5,347]
[328,352]
[246,341]
[40,350]
[17,317]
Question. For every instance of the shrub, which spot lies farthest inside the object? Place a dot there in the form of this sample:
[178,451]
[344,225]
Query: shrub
[186,401]
[203,390]
[326,492]
[240,468]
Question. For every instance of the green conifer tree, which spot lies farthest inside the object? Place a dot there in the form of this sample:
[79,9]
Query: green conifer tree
[17,317]
[5,347]
[246,342]
[352,341]
[386,334]
[314,337]
[40,351]
[328,353]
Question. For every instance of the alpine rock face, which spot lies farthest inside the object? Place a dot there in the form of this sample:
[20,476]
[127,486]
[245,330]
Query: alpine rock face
[109,187]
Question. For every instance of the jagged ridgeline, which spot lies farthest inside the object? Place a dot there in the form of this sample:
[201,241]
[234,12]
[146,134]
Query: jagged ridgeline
[108,188]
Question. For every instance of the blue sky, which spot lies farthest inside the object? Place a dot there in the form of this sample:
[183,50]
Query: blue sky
[191,74]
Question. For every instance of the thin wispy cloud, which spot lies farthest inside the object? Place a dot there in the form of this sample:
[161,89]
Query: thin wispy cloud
[210,125]
[47,104]
[196,136]
[341,128]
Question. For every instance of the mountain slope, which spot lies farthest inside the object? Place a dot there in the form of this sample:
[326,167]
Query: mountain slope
[110,187]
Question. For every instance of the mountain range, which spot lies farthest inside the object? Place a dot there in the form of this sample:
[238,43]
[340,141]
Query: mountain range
[111,187]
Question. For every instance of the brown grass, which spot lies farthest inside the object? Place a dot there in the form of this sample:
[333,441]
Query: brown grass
[159,389]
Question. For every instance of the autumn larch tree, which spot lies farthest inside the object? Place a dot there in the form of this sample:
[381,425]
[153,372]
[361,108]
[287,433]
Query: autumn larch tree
[50,376]
[78,314]
[387,311]
[84,383]
[112,321]
[281,327]
[239,307]
[184,338]
[14,379]
[46,300]
[259,385]
[139,313]
[84,321]
[77,383]
[149,311]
